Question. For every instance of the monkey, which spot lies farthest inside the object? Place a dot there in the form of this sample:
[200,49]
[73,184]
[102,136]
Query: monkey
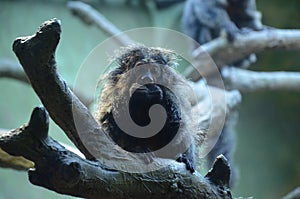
[159,4]
[205,20]
[144,77]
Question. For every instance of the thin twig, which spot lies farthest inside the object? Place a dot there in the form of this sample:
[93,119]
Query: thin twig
[91,16]
[12,69]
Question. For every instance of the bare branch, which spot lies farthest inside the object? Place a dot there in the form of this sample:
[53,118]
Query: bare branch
[224,52]
[250,81]
[293,194]
[12,69]
[40,68]
[91,16]
[65,172]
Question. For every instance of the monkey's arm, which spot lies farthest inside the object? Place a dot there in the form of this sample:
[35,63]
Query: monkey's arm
[212,15]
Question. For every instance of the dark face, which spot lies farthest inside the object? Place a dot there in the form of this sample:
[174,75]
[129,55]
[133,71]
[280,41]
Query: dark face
[145,114]
[141,100]
[145,92]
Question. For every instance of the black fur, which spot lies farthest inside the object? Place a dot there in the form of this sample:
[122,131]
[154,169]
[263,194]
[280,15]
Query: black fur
[140,102]
[139,110]
[205,20]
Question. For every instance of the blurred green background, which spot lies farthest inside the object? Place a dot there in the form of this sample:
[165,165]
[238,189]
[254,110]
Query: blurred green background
[268,131]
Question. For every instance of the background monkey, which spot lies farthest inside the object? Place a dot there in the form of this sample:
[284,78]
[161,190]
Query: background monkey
[145,76]
[205,20]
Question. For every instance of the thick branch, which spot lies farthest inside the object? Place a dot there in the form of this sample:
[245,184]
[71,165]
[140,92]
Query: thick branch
[36,54]
[13,162]
[224,52]
[250,81]
[91,16]
[65,172]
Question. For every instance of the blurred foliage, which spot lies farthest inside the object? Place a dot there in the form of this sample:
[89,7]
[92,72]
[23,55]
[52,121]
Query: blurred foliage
[268,128]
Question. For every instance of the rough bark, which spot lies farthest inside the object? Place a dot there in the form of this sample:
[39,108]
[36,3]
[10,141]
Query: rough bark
[64,172]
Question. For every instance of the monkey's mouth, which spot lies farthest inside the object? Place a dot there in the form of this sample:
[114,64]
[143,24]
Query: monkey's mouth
[141,100]
[147,93]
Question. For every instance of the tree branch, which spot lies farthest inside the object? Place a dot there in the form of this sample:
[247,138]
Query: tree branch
[293,194]
[91,16]
[11,69]
[224,52]
[65,172]
[36,54]
[250,81]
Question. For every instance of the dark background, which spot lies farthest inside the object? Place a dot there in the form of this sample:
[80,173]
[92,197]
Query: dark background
[268,134]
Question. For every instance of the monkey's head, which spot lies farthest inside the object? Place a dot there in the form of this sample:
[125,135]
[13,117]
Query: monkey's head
[144,78]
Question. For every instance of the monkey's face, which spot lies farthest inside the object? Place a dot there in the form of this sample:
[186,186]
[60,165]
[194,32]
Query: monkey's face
[144,88]
[144,103]
[145,108]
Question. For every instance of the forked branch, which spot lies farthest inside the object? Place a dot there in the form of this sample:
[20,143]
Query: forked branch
[64,172]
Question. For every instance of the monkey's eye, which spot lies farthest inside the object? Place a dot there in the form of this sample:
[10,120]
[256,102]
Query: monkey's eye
[139,63]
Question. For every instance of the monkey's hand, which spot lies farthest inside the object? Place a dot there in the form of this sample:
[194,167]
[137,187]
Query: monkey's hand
[188,159]
[231,30]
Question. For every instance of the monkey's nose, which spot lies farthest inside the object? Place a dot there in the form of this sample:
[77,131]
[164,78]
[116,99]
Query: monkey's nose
[146,78]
